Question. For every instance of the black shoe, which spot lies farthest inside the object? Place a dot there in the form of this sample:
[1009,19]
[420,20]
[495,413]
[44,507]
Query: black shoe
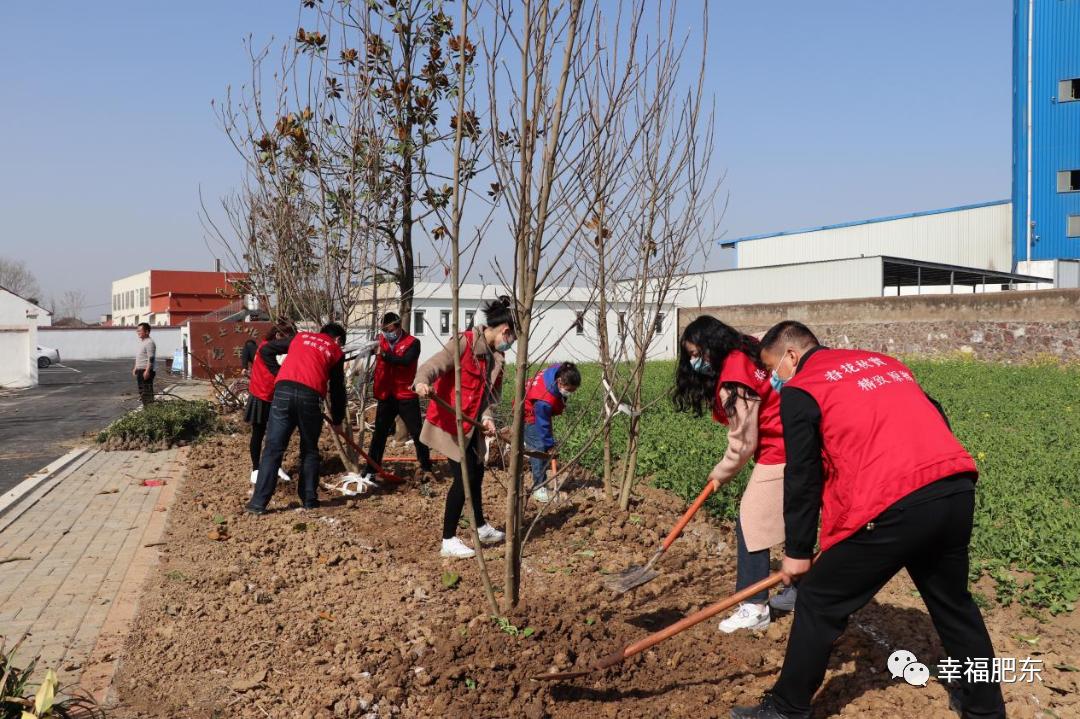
[312,504]
[785,600]
[765,710]
[257,511]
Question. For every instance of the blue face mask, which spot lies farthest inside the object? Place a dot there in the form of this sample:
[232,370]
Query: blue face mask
[390,336]
[698,364]
[776,380]
[504,346]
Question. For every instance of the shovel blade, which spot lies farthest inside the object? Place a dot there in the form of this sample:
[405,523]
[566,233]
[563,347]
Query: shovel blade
[560,676]
[630,579]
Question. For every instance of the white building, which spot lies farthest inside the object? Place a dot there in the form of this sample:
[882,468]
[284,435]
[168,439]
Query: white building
[564,320]
[19,322]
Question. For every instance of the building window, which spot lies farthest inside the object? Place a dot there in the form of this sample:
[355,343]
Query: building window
[579,323]
[470,316]
[1069,181]
[658,326]
[418,322]
[444,322]
[1069,90]
[1072,227]
[622,325]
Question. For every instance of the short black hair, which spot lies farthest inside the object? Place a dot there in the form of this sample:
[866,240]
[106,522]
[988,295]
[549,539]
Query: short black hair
[789,332]
[334,330]
[145,326]
[497,312]
[391,318]
[569,374]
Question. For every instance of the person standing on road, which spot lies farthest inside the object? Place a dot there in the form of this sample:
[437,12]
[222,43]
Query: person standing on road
[482,352]
[719,369]
[396,358]
[546,398]
[145,361]
[260,396]
[315,366]
[874,455]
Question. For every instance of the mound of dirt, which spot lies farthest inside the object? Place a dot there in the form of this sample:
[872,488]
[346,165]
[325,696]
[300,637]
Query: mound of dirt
[348,611]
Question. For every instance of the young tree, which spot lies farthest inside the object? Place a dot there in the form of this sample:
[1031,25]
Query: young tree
[73,304]
[16,277]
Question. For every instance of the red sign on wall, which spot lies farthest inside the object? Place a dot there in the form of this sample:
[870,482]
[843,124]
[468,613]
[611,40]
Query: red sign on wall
[215,347]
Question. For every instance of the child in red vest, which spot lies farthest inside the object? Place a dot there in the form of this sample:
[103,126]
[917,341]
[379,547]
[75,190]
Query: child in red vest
[546,398]
[260,394]
[396,358]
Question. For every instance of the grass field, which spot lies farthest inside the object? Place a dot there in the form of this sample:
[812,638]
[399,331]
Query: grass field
[1020,423]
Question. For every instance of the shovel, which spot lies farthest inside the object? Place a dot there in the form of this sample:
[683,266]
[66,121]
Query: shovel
[535,454]
[388,476]
[636,576]
[629,650]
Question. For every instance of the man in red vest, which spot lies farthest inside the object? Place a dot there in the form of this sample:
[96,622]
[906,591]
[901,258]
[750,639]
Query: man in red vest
[315,364]
[874,455]
[395,369]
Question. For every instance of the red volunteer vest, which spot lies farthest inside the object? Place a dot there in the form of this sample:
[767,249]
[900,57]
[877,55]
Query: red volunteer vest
[881,438]
[537,390]
[392,380]
[261,384]
[311,355]
[738,367]
[473,386]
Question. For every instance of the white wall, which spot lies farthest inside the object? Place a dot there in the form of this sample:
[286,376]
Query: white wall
[841,279]
[18,360]
[976,237]
[93,343]
[129,305]
[15,311]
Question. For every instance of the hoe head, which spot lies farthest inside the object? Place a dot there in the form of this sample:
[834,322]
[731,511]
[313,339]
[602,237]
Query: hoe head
[630,579]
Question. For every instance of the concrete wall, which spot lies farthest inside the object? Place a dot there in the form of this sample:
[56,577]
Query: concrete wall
[18,361]
[15,311]
[1005,326]
[92,343]
[131,299]
[853,277]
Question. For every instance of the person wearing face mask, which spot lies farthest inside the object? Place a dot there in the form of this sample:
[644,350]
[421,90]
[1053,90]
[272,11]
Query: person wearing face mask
[481,352]
[396,359]
[718,370]
[869,451]
[545,398]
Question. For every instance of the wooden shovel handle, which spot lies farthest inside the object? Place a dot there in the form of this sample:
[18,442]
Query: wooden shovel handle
[685,519]
[447,406]
[385,474]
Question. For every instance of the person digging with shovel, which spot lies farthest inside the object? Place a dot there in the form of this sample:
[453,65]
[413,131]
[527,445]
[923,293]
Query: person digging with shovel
[546,398]
[718,368]
[482,353]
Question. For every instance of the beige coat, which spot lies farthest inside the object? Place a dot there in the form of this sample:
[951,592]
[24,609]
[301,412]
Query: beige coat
[761,509]
[443,363]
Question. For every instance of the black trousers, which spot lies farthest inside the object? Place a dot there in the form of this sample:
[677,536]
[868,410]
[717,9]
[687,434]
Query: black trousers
[146,386]
[455,498]
[258,431]
[386,414]
[293,407]
[930,540]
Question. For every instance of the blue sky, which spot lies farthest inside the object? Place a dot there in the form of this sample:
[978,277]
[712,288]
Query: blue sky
[827,112]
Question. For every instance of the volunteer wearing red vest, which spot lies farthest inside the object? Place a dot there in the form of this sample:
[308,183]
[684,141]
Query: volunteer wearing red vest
[315,364]
[545,398]
[481,351]
[260,394]
[895,489]
[718,370]
[396,358]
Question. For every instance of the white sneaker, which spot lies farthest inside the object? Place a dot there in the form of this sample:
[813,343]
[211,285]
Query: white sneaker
[283,476]
[490,535]
[456,549]
[541,495]
[254,476]
[754,617]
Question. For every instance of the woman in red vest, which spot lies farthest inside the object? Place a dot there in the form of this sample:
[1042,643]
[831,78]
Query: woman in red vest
[260,394]
[718,369]
[546,398]
[874,455]
[482,352]
[396,358]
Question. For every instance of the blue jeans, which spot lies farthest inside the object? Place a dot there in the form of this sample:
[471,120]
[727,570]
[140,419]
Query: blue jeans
[752,566]
[294,406]
[535,441]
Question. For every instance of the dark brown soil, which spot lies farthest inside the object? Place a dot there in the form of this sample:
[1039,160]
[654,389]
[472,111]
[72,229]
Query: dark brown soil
[343,612]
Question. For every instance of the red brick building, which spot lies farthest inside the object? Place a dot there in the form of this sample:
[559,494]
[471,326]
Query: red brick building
[171,297]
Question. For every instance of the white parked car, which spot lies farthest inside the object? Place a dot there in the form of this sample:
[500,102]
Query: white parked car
[47,356]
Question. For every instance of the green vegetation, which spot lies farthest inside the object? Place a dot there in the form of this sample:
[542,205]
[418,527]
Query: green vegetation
[161,424]
[1021,423]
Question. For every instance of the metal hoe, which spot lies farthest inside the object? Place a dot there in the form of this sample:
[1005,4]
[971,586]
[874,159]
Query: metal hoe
[636,576]
[388,476]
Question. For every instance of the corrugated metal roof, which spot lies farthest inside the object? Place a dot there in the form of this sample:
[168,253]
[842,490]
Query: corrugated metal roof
[864,222]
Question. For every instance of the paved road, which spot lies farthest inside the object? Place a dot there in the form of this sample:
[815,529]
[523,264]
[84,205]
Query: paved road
[41,424]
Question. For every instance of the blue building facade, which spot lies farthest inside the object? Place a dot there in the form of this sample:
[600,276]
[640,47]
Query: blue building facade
[1046,129]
